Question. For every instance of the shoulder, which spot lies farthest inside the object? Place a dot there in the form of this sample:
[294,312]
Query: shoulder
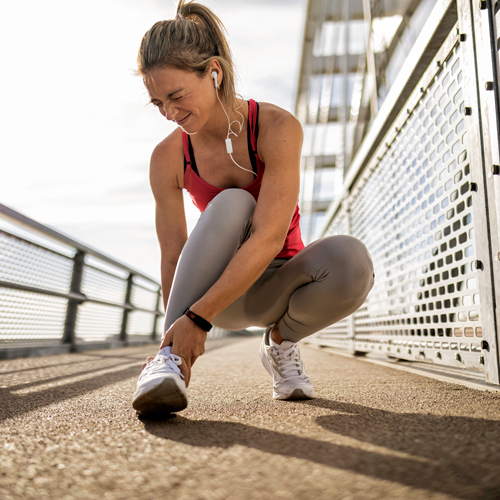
[167,161]
[272,118]
[279,131]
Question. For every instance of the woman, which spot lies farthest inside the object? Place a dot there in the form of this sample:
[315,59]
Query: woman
[244,264]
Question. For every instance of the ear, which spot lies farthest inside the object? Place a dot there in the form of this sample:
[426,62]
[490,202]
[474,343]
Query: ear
[215,66]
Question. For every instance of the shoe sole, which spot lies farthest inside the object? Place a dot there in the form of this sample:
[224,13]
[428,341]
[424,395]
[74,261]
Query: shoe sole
[166,397]
[296,395]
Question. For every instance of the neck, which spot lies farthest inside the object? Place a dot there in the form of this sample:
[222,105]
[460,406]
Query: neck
[217,126]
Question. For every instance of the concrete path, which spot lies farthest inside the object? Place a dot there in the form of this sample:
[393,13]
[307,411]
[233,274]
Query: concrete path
[68,431]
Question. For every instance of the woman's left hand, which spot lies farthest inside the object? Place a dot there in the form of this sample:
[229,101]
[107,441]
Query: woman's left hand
[188,341]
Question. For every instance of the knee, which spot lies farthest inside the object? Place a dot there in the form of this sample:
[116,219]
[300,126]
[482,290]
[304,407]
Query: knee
[352,259]
[232,207]
[233,200]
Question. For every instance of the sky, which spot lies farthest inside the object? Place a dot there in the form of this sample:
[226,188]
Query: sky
[77,131]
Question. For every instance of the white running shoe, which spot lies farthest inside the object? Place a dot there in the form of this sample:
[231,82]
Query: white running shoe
[161,388]
[284,364]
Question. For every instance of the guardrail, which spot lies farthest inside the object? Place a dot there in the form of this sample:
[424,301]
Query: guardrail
[59,295]
[423,194]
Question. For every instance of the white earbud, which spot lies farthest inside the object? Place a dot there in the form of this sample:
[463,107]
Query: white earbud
[214,76]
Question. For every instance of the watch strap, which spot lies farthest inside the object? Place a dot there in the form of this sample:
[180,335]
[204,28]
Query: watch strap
[198,320]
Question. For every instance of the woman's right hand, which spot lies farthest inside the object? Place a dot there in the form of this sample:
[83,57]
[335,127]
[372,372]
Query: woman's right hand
[148,360]
[187,341]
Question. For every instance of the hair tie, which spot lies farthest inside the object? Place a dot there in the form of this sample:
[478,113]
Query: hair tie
[179,16]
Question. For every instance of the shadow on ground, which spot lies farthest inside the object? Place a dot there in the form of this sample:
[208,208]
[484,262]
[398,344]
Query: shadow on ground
[14,405]
[453,455]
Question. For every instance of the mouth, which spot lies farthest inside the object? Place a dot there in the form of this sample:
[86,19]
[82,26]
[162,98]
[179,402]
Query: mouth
[183,120]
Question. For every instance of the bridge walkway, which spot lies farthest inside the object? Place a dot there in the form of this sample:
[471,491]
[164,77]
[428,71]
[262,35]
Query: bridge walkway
[69,432]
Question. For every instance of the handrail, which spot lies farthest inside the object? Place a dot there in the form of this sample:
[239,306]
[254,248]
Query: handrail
[20,277]
[21,219]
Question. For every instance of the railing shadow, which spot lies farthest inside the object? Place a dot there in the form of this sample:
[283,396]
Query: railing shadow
[445,454]
[15,405]
[59,378]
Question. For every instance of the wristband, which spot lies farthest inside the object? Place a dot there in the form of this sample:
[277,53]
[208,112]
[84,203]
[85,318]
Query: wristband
[198,320]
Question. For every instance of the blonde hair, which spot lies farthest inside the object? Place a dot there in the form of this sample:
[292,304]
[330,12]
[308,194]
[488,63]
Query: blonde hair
[190,42]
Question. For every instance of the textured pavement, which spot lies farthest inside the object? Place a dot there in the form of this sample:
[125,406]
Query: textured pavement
[68,431]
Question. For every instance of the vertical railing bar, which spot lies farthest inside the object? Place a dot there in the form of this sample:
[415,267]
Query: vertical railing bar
[72,310]
[126,310]
[480,149]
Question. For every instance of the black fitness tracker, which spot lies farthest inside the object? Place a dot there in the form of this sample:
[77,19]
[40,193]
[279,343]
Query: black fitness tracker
[198,320]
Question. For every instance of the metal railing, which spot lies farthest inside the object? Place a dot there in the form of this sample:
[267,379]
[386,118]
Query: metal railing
[423,194]
[59,295]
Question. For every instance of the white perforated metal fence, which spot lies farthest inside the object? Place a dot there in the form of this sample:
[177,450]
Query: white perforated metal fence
[424,198]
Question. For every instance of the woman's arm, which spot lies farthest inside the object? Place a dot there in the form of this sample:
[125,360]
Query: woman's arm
[280,143]
[170,216]
[166,178]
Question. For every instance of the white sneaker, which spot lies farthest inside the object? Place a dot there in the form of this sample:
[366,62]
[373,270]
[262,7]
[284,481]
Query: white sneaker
[160,388]
[283,362]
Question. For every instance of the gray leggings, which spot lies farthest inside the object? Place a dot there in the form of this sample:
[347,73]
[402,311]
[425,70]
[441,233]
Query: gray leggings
[325,282]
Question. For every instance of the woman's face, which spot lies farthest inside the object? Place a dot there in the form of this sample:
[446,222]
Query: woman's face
[181,96]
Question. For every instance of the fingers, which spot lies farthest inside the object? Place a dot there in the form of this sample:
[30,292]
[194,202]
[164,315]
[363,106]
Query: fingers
[185,370]
[148,360]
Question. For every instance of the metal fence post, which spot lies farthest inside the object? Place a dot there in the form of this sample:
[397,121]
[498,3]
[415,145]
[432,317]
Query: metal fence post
[157,309]
[483,154]
[128,307]
[72,310]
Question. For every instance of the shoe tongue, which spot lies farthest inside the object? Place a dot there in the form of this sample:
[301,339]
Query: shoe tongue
[283,346]
[166,351]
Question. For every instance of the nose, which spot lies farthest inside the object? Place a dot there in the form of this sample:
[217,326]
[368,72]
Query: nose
[169,111]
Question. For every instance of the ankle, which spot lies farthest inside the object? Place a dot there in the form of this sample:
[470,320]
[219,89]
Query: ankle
[275,335]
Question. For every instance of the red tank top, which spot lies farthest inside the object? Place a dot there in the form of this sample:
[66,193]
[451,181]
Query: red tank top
[202,192]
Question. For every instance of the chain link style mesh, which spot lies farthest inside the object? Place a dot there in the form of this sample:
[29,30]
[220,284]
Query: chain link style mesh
[30,317]
[143,298]
[101,285]
[26,263]
[34,317]
[140,323]
[97,322]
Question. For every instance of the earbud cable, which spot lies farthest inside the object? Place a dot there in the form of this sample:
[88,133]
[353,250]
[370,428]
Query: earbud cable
[231,131]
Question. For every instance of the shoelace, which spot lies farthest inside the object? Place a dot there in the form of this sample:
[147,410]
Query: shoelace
[158,364]
[289,362]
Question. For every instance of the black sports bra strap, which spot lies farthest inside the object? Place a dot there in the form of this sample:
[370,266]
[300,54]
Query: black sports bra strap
[191,153]
[251,153]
